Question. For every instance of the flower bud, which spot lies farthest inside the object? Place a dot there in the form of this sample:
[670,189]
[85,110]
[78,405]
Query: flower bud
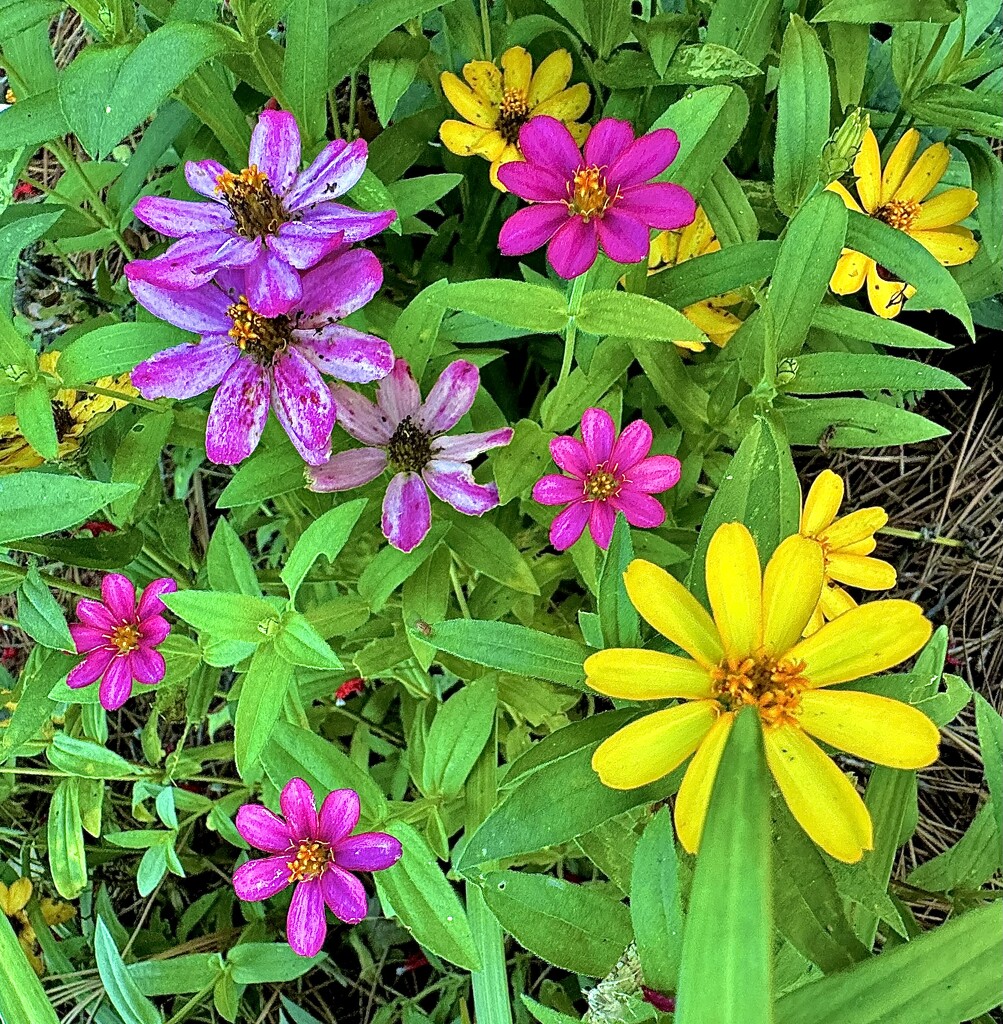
[843,145]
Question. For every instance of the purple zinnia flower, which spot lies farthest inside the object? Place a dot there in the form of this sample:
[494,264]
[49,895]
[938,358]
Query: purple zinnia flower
[261,361]
[407,435]
[119,638]
[315,852]
[608,475]
[604,197]
[270,218]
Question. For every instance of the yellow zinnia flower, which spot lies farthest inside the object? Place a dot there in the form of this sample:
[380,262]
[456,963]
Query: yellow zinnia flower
[497,103]
[13,899]
[896,198]
[846,546]
[76,414]
[669,249]
[751,654]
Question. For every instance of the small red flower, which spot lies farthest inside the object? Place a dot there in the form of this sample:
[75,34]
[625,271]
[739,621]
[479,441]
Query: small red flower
[96,527]
[412,962]
[7,653]
[25,190]
[349,689]
[664,1004]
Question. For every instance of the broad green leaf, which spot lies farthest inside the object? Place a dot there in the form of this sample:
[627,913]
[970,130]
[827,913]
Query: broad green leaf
[33,409]
[265,475]
[228,564]
[609,24]
[849,46]
[225,616]
[123,992]
[826,373]
[34,709]
[137,458]
[391,567]
[855,323]
[324,536]
[529,307]
[889,12]
[525,459]
[34,120]
[393,66]
[67,856]
[987,180]
[16,237]
[457,736]
[620,624]
[416,329]
[115,349]
[300,644]
[636,316]
[14,350]
[262,691]
[855,423]
[747,28]
[990,728]
[425,597]
[562,407]
[256,963]
[88,759]
[40,614]
[673,384]
[22,998]
[33,504]
[177,975]
[17,16]
[970,863]
[546,1015]
[485,548]
[305,64]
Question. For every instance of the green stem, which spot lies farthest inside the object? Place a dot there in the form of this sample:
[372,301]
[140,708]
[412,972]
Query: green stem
[353,90]
[571,331]
[52,773]
[55,581]
[492,206]
[458,590]
[486,29]
[913,81]
[192,1003]
[93,389]
[947,542]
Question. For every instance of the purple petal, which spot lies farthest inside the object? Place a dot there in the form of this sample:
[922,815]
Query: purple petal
[602,519]
[347,354]
[273,287]
[454,483]
[187,370]
[91,668]
[607,141]
[154,630]
[202,176]
[407,512]
[193,261]
[598,435]
[339,814]
[275,148]
[199,310]
[237,414]
[631,446]
[533,182]
[359,417]
[397,395]
[623,237]
[263,830]
[303,245]
[464,447]
[340,285]
[655,474]
[258,879]
[147,666]
[451,397]
[87,638]
[640,509]
[574,248]
[300,810]
[645,158]
[529,228]
[303,405]
[344,894]
[306,925]
[116,686]
[336,169]
[660,205]
[545,140]
[369,851]
[94,613]
[346,470]
[557,490]
[119,596]
[568,525]
[355,225]
[149,602]
[570,455]
[178,217]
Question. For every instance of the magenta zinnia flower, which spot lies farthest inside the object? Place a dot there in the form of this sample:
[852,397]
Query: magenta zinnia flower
[317,854]
[261,361]
[270,218]
[407,436]
[608,475]
[604,197]
[119,638]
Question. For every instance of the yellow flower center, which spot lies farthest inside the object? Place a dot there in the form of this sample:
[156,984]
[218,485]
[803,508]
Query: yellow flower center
[512,114]
[262,338]
[600,485]
[898,214]
[772,686]
[410,448]
[124,638]
[587,195]
[310,862]
[256,209]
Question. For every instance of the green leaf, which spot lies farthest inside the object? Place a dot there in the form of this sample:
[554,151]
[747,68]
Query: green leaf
[17,16]
[849,46]
[987,180]
[259,706]
[228,564]
[635,316]
[855,323]
[485,548]
[990,728]
[523,460]
[305,64]
[40,615]
[33,409]
[179,975]
[224,616]
[747,27]
[33,121]
[457,736]
[529,307]
[970,863]
[568,925]
[14,350]
[609,24]
[33,504]
[67,856]
[725,973]
[300,644]
[391,567]
[855,423]
[826,373]
[138,457]
[620,624]
[955,107]
[35,709]
[88,759]
[22,998]
[414,334]
[889,12]
[392,68]
[256,963]
[114,349]
[265,475]
[324,536]
[123,992]
[715,273]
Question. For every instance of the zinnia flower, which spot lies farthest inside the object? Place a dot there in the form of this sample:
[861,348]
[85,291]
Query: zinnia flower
[608,475]
[498,103]
[261,361]
[270,219]
[13,900]
[407,436]
[317,854]
[846,544]
[895,197]
[604,197]
[119,638]
[751,655]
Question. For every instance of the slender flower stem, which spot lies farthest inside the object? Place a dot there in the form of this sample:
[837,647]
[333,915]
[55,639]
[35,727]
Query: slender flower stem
[571,331]
[486,29]
[55,581]
[947,542]
[458,590]
[492,206]
[93,389]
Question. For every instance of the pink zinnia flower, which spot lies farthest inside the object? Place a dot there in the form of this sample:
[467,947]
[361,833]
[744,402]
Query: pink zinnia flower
[407,436]
[608,475]
[317,854]
[602,197]
[120,638]
[271,218]
[260,361]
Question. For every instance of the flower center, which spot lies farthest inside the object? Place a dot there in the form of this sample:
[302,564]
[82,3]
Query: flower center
[512,115]
[257,210]
[587,195]
[63,419]
[262,338]
[897,214]
[601,484]
[310,862]
[124,638]
[410,448]
[770,685]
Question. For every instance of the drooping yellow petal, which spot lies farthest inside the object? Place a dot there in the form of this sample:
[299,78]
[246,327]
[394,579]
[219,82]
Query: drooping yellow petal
[716,322]
[567,105]
[735,589]
[951,245]
[816,622]
[551,77]
[821,798]
[792,584]
[865,573]
[950,207]
[840,190]
[495,148]
[855,527]
[466,102]
[579,132]
[666,605]
[14,897]
[835,601]
[850,273]
[637,674]
[696,236]
[823,501]
[663,249]
[463,139]
[886,297]
[517,69]
[867,725]
[898,164]
[865,640]
[506,153]
[867,168]
[693,798]
[486,80]
[925,173]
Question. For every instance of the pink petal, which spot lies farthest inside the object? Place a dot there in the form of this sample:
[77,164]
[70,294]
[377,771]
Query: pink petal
[631,446]
[598,435]
[339,814]
[306,925]
[660,205]
[464,447]
[655,474]
[119,596]
[407,512]
[546,141]
[346,470]
[186,370]
[454,483]
[398,395]
[641,510]
[303,405]
[147,666]
[259,879]
[568,525]
[557,490]
[533,182]
[199,310]
[275,148]
[607,141]
[570,455]
[303,245]
[149,602]
[623,237]
[344,894]
[300,810]
[574,248]
[237,414]
[194,260]
[263,830]
[202,176]
[273,287]
[602,519]
[87,638]
[116,686]
[154,630]
[358,416]
[643,159]
[451,397]
[178,217]
[353,225]
[94,613]
[340,285]
[336,169]
[531,227]
[91,668]
[369,851]
[347,354]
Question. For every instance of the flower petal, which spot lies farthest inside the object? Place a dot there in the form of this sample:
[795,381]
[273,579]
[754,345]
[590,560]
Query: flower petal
[299,809]
[149,601]
[693,798]
[607,141]
[952,245]
[450,398]
[485,79]
[339,814]
[735,589]
[624,238]
[631,446]
[202,177]
[639,509]
[407,512]
[850,273]
[275,148]
[659,205]
[950,207]
[466,102]
[90,669]
[361,418]
[517,69]
[848,201]
[570,455]
[574,248]
[867,168]
[116,685]
[602,519]
[340,285]
[792,584]
[351,225]
[464,447]
[568,525]
[546,141]
[835,601]
[898,164]
[303,405]
[154,630]
[273,287]
[852,529]
[119,596]
[555,489]
[186,370]
[822,504]
[655,474]
[306,922]
[262,829]
[87,638]
[344,894]
[178,217]
[347,354]
[566,105]
[194,260]
[147,666]
[636,674]
[531,227]
[368,851]
[535,183]
[337,168]
[645,158]
[925,173]
[237,414]
[398,395]
[598,435]
[886,297]
[94,613]
[862,572]
[304,245]
[259,879]
[345,470]
[552,75]
[464,139]
[453,483]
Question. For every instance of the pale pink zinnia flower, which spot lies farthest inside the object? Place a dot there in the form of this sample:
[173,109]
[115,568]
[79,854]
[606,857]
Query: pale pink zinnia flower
[317,854]
[119,638]
[407,436]
[608,475]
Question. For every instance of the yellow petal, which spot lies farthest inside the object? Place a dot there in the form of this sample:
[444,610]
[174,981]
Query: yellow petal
[792,584]
[822,799]
[834,602]
[579,132]
[486,80]
[867,168]
[840,190]
[866,640]
[506,154]
[654,745]
[666,605]
[850,273]
[663,249]
[898,164]
[517,68]
[551,77]
[857,526]
[567,105]
[695,237]
[857,571]
[495,148]
[693,798]
[925,173]
[637,674]
[950,207]
[875,728]
[461,138]
[15,896]
[860,547]
[822,503]
[735,589]
[712,320]
[886,297]
[951,245]
[816,622]
[466,102]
